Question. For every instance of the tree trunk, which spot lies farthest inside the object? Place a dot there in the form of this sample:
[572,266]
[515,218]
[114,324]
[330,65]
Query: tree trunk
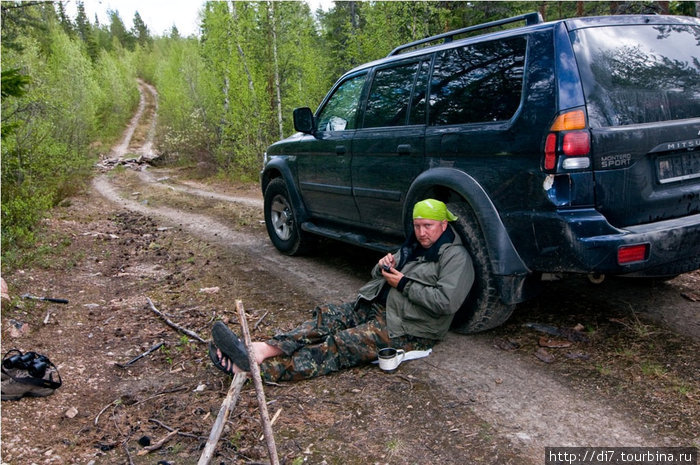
[278,92]
[244,61]
[242,56]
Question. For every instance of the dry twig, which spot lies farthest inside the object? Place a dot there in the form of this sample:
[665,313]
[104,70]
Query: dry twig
[180,433]
[97,418]
[189,333]
[226,407]
[158,444]
[260,320]
[257,381]
[135,359]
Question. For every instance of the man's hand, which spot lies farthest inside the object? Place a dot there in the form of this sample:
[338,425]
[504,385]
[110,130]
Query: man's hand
[392,276]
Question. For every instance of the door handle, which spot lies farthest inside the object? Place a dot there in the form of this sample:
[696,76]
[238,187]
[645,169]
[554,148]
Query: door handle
[403,149]
[340,150]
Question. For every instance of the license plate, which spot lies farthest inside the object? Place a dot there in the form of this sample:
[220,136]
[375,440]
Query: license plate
[679,167]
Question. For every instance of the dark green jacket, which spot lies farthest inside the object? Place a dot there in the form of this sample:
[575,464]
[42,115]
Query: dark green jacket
[433,289]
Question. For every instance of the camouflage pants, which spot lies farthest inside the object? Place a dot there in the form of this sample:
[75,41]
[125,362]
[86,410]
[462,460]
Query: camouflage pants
[337,337]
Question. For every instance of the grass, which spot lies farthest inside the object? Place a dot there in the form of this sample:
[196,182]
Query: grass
[652,369]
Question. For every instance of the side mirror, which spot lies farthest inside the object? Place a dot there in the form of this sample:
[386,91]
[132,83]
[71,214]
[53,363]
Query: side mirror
[304,120]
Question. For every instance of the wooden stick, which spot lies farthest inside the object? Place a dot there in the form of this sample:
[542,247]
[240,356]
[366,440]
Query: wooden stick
[229,403]
[125,445]
[174,325]
[158,444]
[257,323]
[274,419]
[257,381]
[135,359]
[180,433]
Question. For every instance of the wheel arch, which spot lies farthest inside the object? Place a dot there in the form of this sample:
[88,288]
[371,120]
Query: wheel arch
[278,168]
[452,185]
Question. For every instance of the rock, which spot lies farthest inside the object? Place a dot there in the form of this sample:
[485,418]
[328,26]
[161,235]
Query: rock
[17,328]
[505,344]
[544,356]
[71,412]
[4,291]
[209,290]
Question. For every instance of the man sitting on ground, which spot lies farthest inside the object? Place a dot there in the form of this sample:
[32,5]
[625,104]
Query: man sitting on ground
[409,304]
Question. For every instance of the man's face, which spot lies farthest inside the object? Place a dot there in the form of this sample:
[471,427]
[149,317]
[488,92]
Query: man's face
[428,231]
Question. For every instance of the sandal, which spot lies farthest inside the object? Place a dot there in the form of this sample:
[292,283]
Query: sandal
[217,361]
[230,346]
[28,374]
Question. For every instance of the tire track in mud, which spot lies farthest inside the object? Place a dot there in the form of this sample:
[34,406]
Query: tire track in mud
[319,280]
[518,399]
[122,147]
[192,189]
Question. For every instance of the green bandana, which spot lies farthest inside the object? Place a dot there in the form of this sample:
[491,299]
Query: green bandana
[431,209]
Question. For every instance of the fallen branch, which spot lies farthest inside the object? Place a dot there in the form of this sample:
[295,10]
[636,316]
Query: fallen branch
[260,392]
[158,444]
[260,320]
[228,404]
[180,433]
[168,391]
[274,419]
[133,360]
[125,445]
[97,418]
[175,325]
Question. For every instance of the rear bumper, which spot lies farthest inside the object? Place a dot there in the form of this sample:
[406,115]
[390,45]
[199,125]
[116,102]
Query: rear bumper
[592,245]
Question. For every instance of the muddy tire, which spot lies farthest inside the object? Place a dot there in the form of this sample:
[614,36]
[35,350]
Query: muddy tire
[281,220]
[483,308]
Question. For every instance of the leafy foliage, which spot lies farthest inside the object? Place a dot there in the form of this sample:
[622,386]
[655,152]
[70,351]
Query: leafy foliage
[55,105]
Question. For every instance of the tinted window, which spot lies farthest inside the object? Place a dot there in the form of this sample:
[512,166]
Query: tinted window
[478,83]
[418,109]
[340,111]
[639,74]
[390,95]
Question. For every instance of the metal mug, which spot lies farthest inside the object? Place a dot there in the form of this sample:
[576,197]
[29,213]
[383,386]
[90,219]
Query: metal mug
[390,359]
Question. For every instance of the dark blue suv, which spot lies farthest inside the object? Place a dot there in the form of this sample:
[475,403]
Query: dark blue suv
[564,147]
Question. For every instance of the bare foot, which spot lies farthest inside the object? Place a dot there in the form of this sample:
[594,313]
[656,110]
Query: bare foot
[261,352]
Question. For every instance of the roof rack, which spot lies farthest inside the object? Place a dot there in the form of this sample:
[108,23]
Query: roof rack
[529,18]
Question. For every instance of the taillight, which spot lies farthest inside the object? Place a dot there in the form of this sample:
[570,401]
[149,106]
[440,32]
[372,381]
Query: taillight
[550,152]
[576,144]
[568,137]
[632,253]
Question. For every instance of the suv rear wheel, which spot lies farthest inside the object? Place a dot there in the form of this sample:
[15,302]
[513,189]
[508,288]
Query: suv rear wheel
[483,308]
[282,224]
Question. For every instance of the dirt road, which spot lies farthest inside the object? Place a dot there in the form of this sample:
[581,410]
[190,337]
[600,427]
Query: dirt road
[521,400]
[500,397]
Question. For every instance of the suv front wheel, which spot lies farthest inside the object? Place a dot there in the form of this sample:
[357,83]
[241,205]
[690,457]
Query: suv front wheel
[282,224]
[483,308]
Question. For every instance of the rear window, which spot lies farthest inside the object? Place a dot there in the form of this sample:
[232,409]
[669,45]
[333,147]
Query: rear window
[478,83]
[639,74]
